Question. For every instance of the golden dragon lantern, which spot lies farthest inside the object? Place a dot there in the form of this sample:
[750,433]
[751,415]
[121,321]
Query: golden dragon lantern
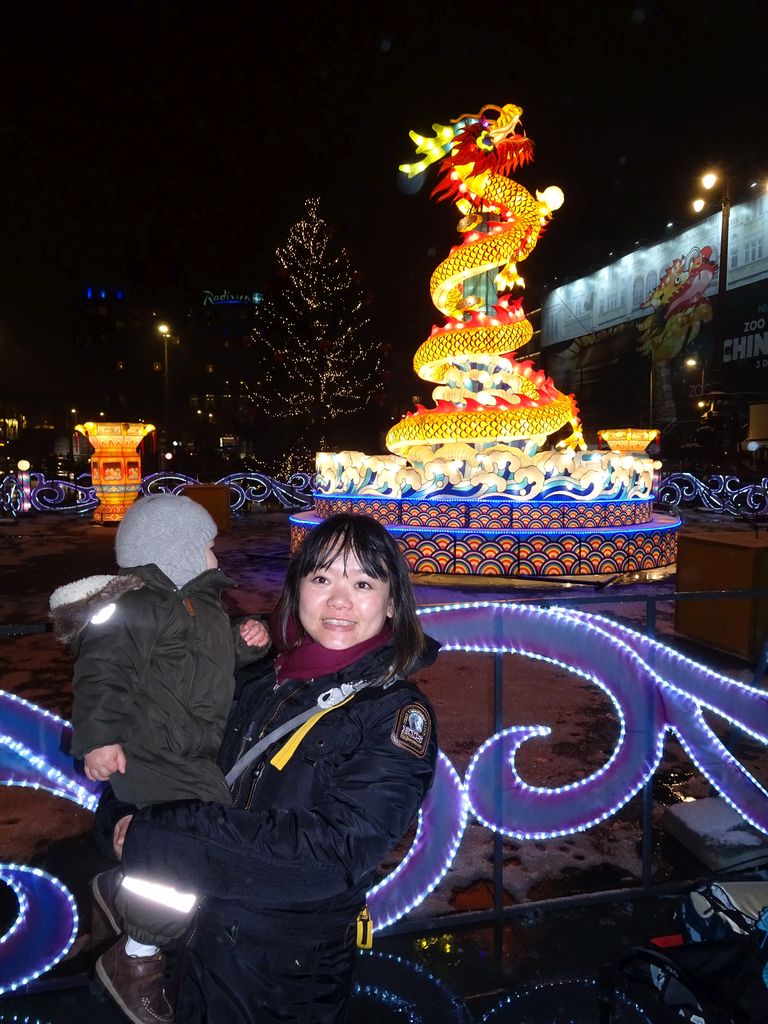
[495,478]
[485,396]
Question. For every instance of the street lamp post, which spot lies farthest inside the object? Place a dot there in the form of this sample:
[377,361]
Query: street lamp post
[71,420]
[165,331]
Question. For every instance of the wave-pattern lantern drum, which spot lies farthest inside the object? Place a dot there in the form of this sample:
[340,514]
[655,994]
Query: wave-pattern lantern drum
[115,466]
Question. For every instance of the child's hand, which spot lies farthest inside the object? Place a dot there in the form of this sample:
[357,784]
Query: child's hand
[101,762]
[254,633]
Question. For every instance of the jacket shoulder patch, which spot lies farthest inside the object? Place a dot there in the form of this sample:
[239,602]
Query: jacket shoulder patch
[412,729]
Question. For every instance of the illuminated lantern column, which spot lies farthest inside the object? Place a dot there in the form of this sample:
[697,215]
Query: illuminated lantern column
[25,486]
[115,466]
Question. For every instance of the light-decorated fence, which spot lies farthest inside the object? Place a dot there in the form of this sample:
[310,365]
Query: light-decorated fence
[32,491]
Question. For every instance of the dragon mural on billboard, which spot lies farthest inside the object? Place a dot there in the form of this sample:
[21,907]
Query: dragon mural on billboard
[678,309]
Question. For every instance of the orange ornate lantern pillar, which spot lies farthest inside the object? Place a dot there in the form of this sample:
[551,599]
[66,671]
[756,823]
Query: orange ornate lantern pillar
[115,466]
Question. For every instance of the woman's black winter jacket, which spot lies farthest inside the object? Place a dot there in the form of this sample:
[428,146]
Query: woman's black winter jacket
[299,848]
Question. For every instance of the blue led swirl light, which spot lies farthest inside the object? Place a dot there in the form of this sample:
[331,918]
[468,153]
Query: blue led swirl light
[577,997]
[15,1019]
[718,493]
[688,691]
[442,821]
[31,754]
[79,497]
[407,988]
[64,496]
[46,921]
[44,928]
[653,689]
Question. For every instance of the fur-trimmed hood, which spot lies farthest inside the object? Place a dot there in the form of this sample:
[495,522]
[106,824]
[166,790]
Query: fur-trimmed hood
[73,606]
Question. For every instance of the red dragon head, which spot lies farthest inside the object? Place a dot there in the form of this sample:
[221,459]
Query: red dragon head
[485,144]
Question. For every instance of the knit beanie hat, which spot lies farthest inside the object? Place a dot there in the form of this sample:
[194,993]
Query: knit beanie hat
[169,531]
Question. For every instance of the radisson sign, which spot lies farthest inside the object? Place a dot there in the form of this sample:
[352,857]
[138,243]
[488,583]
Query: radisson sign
[228,298]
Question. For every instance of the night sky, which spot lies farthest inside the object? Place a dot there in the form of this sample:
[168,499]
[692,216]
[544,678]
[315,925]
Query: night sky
[169,146]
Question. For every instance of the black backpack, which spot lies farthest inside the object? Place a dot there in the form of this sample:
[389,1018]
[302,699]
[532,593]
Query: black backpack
[714,972]
[718,982]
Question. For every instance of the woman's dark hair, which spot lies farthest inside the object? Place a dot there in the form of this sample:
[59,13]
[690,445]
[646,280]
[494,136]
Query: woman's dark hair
[379,556]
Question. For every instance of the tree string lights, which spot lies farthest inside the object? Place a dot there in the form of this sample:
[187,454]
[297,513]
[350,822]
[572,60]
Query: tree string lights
[315,360]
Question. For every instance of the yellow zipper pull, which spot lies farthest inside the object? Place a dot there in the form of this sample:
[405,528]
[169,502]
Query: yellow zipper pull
[364,930]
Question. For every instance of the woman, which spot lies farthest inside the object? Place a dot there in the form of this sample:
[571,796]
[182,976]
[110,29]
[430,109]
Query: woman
[317,805]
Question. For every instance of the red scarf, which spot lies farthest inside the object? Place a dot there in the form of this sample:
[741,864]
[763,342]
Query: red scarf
[304,658]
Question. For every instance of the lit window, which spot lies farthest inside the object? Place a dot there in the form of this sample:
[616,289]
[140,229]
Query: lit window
[209,367]
[120,364]
[753,250]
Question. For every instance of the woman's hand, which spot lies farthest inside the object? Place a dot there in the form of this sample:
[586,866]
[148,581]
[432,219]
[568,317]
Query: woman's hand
[254,633]
[101,762]
[118,836]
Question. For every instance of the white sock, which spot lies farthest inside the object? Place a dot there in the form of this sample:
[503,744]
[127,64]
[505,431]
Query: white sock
[134,948]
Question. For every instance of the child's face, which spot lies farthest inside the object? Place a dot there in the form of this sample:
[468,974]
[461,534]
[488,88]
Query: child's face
[211,561]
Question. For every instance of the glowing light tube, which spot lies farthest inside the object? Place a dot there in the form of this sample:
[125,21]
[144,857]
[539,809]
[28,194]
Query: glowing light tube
[534,812]
[31,755]
[44,929]
[405,987]
[442,821]
[654,689]
[689,690]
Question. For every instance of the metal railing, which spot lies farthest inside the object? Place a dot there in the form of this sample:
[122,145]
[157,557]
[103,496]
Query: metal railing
[722,493]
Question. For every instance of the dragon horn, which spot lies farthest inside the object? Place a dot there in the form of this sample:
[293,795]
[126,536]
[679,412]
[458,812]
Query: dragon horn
[478,116]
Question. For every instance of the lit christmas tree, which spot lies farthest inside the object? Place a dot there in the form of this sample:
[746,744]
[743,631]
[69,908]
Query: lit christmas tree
[316,357]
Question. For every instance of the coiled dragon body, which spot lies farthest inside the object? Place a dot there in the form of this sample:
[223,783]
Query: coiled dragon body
[485,397]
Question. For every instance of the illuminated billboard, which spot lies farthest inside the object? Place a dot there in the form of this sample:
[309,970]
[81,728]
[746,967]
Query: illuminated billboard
[620,291]
[653,318]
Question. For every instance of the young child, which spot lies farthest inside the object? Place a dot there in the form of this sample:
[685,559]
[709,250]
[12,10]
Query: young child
[155,655]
